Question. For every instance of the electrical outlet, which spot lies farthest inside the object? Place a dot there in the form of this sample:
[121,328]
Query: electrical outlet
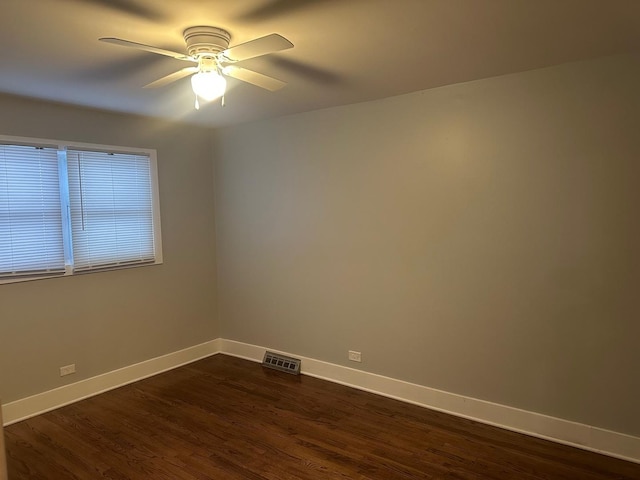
[67,369]
[355,356]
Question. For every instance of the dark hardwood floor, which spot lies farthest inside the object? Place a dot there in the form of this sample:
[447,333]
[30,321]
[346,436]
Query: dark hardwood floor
[226,418]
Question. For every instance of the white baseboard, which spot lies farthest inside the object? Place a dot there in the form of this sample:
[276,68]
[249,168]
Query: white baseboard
[579,435]
[44,402]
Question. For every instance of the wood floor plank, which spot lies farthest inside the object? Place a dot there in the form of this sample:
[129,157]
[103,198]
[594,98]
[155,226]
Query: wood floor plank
[229,419]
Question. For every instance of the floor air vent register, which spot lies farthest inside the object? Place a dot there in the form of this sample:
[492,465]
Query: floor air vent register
[281,362]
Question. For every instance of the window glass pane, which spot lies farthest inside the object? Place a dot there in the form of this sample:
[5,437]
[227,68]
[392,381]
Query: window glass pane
[111,209]
[30,213]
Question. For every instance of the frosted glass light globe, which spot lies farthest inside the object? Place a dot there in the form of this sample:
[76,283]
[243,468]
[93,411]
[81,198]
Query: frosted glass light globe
[208,85]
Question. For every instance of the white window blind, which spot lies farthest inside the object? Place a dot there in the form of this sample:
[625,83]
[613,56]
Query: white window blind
[72,208]
[110,196]
[31,240]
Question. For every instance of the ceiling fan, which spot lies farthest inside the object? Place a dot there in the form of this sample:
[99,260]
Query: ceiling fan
[208,47]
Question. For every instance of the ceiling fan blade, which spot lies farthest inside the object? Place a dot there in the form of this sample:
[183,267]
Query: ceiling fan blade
[147,48]
[255,48]
[172,77]
[254,78]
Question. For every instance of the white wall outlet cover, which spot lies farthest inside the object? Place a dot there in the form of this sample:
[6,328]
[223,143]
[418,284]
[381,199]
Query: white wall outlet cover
[355,356]
[67,369]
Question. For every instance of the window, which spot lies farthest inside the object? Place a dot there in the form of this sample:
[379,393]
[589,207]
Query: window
[73,208]
[30,211]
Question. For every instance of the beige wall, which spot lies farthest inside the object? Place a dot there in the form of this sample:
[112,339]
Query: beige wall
[481,238]
[104,321]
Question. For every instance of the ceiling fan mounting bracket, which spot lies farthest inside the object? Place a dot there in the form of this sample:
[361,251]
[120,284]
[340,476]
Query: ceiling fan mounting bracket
[206,41]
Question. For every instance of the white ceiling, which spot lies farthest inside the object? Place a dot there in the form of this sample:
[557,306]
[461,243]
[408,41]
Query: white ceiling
[346,51]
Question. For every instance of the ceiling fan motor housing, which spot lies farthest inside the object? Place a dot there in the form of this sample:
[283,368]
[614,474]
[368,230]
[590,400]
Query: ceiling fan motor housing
[206,41]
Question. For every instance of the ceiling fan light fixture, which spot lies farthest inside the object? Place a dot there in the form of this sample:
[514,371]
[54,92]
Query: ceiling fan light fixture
[208,85]
[208,47]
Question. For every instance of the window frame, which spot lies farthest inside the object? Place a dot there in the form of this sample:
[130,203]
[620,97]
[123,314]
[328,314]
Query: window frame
[62,146]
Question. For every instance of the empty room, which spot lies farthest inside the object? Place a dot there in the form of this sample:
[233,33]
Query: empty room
[319,239]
